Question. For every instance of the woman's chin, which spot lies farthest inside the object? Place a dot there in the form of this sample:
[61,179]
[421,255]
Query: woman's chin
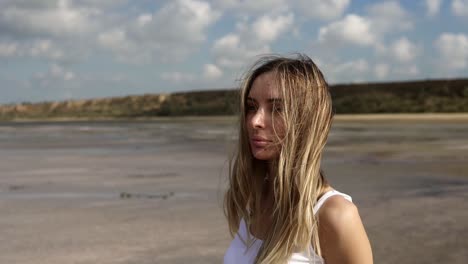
[263,155]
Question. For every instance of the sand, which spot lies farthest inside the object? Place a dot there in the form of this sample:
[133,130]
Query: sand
[151,192]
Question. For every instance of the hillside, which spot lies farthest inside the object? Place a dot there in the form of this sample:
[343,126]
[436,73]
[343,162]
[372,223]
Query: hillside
[434,96]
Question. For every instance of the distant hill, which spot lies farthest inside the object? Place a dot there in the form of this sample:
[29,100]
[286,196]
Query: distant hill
[434,96]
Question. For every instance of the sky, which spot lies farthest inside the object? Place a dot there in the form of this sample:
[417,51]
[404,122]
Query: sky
[53,50]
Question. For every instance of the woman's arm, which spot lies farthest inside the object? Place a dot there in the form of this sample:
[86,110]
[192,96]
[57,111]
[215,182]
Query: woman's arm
[343,239]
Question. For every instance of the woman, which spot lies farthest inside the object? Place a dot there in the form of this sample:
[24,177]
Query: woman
[278,201]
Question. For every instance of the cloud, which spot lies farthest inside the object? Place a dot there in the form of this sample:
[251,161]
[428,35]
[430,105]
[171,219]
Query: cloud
[144,19]
[347,71]
[389,16]
[268,28]
[60,82]
[351,29]
[46,48]
[252,7]
[169,34]
[212,72]
[323,9]
[48,28]
[40,48]
[385,71]
[103,3]
[311,9]
[116,40]
[229,51]
[433,7]
[460,8]
[381,70]
[48,18]
[235,49]
[8,49]
[453,49]
[406,71]
[360,65]
[57,72]
[370,30]
[403,50]
[55,78]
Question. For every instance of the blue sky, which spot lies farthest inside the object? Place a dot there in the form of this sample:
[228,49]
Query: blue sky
[65,49]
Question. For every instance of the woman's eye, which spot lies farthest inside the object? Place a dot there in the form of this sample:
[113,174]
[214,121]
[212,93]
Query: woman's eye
[278,109]
[251,108]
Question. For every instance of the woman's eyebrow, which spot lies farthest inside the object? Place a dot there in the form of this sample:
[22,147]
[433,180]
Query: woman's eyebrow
[275,100]
[269,100]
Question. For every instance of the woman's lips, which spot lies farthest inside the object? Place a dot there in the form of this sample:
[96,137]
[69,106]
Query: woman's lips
[260,143]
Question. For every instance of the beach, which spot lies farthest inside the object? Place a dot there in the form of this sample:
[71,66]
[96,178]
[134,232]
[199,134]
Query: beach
[151,191]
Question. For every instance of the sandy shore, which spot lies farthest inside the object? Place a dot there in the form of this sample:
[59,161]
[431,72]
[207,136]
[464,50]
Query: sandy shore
[151,192]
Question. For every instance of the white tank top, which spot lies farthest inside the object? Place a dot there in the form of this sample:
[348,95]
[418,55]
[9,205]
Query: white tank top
[236,252]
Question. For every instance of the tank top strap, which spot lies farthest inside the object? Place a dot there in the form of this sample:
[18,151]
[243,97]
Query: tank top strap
[327,195]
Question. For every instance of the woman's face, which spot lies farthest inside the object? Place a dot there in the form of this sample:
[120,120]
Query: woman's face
[264,117]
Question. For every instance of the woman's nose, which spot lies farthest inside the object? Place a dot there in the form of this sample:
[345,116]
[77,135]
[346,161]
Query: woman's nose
[258,120]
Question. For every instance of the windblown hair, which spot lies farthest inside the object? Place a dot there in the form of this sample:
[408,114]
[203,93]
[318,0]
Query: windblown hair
[299,180]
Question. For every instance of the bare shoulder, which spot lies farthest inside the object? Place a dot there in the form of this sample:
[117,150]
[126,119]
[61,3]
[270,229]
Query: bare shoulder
[343,238]
[337,212]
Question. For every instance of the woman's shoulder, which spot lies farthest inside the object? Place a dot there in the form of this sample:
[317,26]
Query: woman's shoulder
[336,204]
[337,210]
[341,232]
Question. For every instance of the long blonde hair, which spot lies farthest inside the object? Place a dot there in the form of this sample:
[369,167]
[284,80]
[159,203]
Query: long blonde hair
[299,180]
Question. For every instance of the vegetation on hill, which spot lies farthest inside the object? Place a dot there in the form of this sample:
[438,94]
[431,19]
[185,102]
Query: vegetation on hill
[402,97]
[397,97]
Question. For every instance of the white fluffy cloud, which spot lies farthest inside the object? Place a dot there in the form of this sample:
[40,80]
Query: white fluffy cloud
[381,70]
[453,49]
[403,50]
[323,9]
[268,28]
[360,65]
[460,8]
[257,6]
[46,48]
[169,34]
[352,29]
[46,28]
[40,48]
[371,30]
[433,6]
[311,9]
[212,72]
[115,40]
[250,39]
[52,18]
[389,16]
[347,71]
[229,51]
[8,49]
